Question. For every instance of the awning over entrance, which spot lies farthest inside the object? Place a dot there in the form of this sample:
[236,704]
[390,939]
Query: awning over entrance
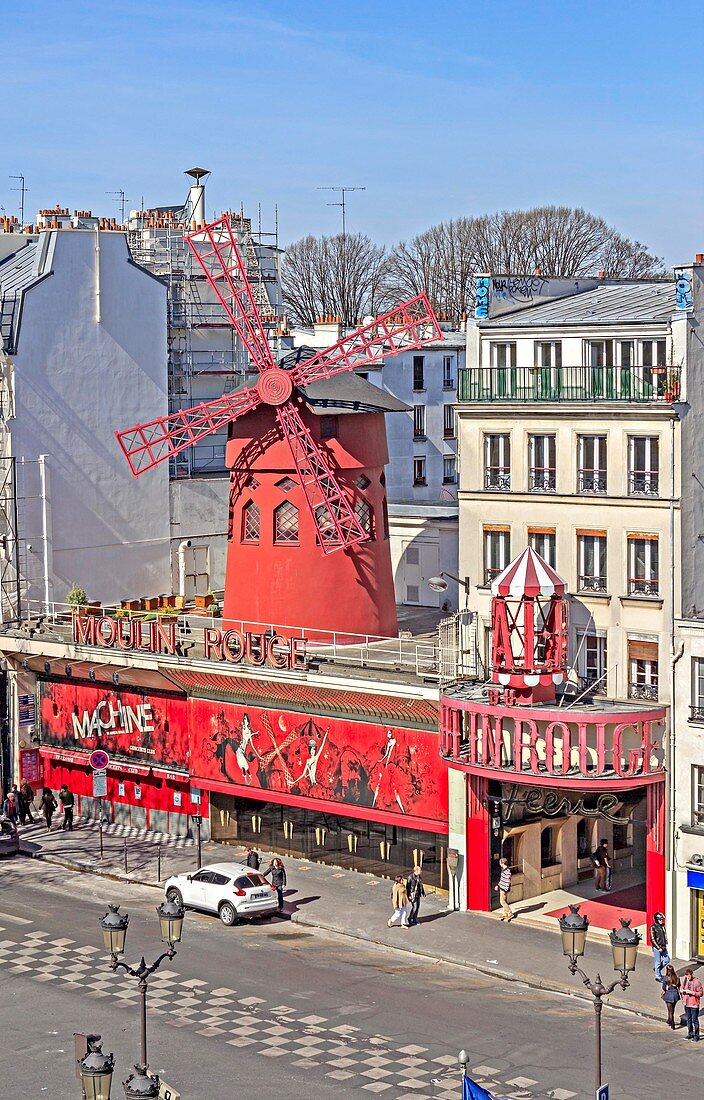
[303,697]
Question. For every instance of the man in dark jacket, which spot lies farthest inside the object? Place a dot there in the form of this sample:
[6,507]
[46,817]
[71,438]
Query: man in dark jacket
[67,802]
[658,940]
[252,859]
[415,891]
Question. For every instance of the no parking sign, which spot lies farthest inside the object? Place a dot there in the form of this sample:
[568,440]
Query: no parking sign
[98,760]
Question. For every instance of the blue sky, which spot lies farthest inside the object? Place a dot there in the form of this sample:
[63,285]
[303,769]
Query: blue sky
[438,110]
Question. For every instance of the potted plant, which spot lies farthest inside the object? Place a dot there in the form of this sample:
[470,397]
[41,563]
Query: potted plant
[77,599]
[672,385]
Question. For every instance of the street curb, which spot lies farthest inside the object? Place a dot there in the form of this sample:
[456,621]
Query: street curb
[516,976]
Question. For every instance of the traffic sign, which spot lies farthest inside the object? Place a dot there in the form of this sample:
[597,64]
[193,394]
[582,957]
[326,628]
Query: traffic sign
[602,1093]
[98,760]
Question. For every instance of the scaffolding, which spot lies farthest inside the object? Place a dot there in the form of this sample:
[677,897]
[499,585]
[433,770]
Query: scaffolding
[156,240]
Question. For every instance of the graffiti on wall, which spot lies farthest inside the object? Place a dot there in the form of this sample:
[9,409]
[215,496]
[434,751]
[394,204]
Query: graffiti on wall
[683,288]
[482,285]
[518,288]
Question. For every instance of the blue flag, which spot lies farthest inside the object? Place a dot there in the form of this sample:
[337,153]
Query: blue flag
[472,1091]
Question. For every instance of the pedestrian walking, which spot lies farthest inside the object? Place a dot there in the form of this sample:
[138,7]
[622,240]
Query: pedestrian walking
[399,901]
[691,989]
[67,803]
[277,873]
[48,806]
[21,804]
[11,809]
[503,889]
[658,941]
[670,994]
[415,891]
[602,866]
[27,793]
[252,859]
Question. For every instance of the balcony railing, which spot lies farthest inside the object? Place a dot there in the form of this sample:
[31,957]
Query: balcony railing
[639,586]
[497,477]
[696,713]
[591,481]
[644,483]
[568,384]
[542,481]
[591,584]
[643,691]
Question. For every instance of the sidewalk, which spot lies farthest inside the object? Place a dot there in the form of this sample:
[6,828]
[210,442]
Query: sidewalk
[358,905]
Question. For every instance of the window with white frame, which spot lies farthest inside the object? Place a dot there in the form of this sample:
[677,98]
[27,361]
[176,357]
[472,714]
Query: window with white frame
[418,372]
[642,669]
[448,421]
[644,465]
[591,464]
[419,421]
[592,661]
[697,795]
[448,374]
[449,470]
[591,561]
[542,477]
[542,540]
[497,551]
[548,354]
[497,462]
[697,708]
[643,569]
[504,355]
[419,471]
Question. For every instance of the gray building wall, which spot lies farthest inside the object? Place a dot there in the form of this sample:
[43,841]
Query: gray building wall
[79,377]
[688,342]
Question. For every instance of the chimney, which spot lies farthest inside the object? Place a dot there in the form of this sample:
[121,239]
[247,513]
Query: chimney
[195,204]
[699,258]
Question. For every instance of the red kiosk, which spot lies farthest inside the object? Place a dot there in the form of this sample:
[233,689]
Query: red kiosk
[550,774]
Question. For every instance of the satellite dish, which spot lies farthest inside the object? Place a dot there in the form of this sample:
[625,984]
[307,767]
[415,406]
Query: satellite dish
[437,584]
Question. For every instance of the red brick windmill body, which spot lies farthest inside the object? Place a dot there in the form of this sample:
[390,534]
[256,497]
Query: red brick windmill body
[307,533]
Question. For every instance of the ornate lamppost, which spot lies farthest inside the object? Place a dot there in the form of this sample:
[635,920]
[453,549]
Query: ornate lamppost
[624,948]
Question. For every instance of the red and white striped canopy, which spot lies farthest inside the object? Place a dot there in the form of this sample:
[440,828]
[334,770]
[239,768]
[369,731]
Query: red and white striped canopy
[528,575]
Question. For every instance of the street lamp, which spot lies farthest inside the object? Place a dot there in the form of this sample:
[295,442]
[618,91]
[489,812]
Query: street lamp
[439,584]
[114,927]
[463,1058]
[141,1085]
[624,948]
[96,1071]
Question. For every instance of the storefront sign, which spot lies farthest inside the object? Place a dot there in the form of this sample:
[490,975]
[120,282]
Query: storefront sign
[29,766]
[27,710]
[100,784]
[159,636]
[113,717]
[503,739]
[556,804]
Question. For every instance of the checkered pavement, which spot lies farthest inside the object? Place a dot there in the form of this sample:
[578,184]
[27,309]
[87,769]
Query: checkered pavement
[311,1043]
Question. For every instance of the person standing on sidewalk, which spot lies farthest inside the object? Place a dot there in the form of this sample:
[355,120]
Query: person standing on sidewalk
[504,888]
[692,991]
[27,793]
[252,859]
[399,901]
[658,940]
[47,805]
[11,809]
[415,891]
[277,873]
[67,802]
[670,994]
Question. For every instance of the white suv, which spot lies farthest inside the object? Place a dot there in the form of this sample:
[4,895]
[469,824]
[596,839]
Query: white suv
[232,890]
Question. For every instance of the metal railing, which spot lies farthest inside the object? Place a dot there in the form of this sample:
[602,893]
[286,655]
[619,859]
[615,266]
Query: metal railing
[568,384]
[497,477]
[591,481]
[643,691]
[696,714]
[542,481]
[640,586]
[591,584]
[644,483]
[417,656]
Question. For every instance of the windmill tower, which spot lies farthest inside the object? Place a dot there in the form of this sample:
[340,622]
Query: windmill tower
[307,528]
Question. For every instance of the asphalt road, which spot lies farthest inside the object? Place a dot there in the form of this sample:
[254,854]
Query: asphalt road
[270,1010]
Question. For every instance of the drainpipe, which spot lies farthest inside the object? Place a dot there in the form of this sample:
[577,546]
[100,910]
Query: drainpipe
[46,530]
[97,274]
[182,547]
[671,755]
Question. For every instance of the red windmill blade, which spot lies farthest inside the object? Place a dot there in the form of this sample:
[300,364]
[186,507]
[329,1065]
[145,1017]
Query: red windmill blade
[409,325]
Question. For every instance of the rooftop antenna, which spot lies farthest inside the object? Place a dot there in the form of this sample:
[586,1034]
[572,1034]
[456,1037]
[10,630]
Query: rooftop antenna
[342,191]
[120,197]
[23,191]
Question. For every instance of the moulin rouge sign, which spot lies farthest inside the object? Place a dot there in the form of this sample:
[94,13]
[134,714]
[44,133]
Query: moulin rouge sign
[159,636]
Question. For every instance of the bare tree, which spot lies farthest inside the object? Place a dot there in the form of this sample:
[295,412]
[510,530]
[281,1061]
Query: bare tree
[556,240]
[340,276]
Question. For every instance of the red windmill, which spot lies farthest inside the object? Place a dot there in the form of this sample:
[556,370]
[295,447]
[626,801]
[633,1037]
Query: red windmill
[307,533]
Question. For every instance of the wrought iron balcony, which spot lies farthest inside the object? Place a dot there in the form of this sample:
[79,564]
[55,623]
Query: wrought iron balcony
[569,384]
[591,481]
[595,685]
[497,477]
[542,481]
[643,691]
[639,586]
[591,584]
[644,483]
[696,714]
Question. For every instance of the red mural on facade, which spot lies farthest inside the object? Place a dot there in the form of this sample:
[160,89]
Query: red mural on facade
[335,760]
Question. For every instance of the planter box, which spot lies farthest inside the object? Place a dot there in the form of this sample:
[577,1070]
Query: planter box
[150,603]
[205,601]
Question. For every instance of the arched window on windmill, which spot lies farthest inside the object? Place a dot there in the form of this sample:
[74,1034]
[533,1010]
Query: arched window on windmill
[327,532]
[363,512]
[251,522]
[286,523]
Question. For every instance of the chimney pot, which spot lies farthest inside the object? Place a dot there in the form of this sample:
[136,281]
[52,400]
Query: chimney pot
[601,274]
[699,258]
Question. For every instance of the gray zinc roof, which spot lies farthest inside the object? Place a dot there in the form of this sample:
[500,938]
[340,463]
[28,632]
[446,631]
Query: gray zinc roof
[18,272]
[621,303]
[348,393]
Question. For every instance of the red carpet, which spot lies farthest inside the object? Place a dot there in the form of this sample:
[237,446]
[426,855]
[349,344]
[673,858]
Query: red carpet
[605,910]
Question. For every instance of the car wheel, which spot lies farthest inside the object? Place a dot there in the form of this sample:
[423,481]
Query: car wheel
[174,895]
[227,914]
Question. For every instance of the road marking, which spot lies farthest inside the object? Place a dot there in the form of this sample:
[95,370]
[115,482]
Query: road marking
[13,919]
